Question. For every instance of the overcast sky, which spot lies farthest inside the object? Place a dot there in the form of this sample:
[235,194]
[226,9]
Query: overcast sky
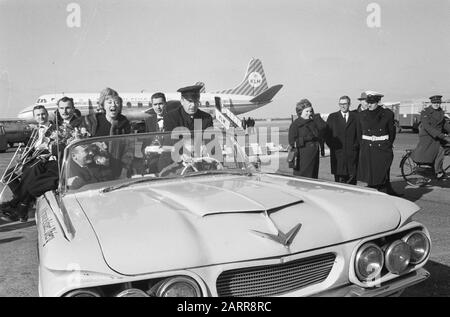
[318,49]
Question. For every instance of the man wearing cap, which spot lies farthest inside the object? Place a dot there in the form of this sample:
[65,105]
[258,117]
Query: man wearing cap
[376,134]
[433,136]
[188,113]
[363,104]
[342,139]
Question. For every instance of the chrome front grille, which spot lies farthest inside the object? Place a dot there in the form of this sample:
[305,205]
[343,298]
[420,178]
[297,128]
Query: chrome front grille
[277,279]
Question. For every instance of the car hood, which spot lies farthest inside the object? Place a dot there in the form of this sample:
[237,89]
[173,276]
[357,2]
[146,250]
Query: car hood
[177,224]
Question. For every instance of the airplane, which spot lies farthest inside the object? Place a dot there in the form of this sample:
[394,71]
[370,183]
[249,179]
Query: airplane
[252,93]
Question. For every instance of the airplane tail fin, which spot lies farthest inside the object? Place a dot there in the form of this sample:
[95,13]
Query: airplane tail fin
[267,95]
[254,82]
[203,89]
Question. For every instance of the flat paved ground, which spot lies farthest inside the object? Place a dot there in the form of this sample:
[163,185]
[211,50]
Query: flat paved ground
[18,256]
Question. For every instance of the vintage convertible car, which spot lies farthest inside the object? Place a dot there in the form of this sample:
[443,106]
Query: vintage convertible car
[187,215]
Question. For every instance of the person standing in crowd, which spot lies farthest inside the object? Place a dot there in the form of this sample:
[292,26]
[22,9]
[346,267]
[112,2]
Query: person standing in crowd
[244,123]
[433,137]
[363,104]
[108,120]
[342,139]
[186,115]
[376,134]
[306,133]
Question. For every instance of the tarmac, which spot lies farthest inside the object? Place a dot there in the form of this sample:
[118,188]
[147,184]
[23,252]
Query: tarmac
[18,241]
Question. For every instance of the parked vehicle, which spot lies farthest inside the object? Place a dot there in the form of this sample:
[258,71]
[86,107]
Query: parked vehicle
[3,140]
[407,113]
[139,215]
[17,131]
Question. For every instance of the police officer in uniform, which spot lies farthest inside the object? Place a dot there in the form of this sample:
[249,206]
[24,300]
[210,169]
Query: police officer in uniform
[433,137]
[188,113]
[376,134]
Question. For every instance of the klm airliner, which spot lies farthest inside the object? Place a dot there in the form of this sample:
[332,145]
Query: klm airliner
[252,93]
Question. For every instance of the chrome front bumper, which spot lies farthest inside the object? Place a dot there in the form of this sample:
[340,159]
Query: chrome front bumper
[387,289]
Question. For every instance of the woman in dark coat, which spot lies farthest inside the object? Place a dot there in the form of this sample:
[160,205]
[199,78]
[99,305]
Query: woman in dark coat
[108,119]
[376,134]
[306,133]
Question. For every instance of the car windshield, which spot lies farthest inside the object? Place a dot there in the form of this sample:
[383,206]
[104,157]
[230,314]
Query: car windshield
[113,162]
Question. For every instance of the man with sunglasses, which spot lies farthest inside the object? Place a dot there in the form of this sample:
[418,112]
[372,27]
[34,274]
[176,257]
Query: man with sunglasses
[188,113]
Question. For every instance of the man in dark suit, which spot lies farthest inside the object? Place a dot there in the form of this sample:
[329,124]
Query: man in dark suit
[188,115]
[155,122]
[342,139]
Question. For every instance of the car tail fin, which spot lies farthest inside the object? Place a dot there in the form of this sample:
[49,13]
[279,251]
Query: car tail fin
[254,82]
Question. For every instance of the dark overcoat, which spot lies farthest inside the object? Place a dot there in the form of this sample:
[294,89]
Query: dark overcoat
[104,127]
[307,136]
[179,118]
[342,139]
[375,157]
[433,124]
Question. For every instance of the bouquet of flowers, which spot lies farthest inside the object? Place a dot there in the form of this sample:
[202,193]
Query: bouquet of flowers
[65,134]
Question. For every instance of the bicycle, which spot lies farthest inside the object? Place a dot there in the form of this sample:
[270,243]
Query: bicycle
[420,174]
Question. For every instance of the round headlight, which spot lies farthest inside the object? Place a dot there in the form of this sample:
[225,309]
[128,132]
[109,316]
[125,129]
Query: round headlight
[179,287]
[369,261]
[132,292]
[398,256]
[419,245]
[83,293]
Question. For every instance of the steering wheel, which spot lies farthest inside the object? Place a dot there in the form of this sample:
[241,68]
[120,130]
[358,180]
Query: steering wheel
[192,164]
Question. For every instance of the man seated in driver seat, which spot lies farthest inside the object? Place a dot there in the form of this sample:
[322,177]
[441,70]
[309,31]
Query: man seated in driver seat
[187,158]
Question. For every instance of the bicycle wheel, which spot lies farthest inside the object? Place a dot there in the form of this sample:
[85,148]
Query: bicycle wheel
[411,172]
[446,164]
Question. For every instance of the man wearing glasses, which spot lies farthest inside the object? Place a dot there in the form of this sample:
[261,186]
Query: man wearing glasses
[342,139]
[188,113]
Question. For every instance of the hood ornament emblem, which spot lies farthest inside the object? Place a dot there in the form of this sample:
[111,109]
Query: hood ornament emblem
[285,239]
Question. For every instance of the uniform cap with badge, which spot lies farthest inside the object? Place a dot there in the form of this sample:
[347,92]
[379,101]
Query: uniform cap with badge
[436,99]
[190,93]
[373,96]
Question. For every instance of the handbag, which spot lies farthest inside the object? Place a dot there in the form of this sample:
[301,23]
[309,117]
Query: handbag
[293,158]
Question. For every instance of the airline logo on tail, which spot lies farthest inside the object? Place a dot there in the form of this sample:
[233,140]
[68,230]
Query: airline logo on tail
[254,81]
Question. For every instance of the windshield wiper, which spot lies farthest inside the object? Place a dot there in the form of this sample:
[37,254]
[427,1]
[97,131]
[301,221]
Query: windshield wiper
[132,182]
[221,172]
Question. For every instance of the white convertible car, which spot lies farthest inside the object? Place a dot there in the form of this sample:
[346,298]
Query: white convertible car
[169,215]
